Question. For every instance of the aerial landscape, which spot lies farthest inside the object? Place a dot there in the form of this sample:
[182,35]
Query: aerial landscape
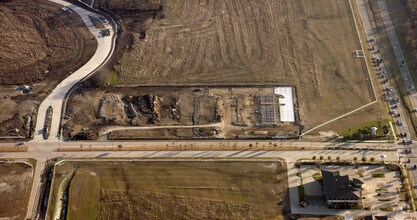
[203,109]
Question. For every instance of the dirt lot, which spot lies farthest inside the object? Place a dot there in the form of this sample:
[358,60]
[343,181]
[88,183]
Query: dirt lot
[15,185]
[305,43]
[173,190]
[41,45]
[177,113]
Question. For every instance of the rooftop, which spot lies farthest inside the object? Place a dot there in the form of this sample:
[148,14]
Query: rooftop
[340,187]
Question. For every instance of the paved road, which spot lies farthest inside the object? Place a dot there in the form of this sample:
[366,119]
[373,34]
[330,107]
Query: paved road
[403,143]
[44,147]
[398,52]
[391,94]
[105,47]
[42,151]
[399,56]
[45,151]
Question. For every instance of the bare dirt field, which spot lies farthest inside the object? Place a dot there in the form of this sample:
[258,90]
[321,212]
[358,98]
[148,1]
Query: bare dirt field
[41,45]
[305,43]
[15,185]
[171,190]
[178,113]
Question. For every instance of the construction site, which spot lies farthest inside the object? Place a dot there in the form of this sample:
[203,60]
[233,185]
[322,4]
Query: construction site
[183,113]
[41,45]
[311,46]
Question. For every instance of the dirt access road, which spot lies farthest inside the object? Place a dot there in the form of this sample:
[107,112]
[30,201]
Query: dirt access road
[41,45]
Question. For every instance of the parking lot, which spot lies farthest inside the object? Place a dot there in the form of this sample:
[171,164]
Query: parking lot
[382,191]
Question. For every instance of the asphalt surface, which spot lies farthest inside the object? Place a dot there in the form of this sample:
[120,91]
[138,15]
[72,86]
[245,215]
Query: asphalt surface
[406,148]
[43,153]
[391,94]
[404,142]
[399,56]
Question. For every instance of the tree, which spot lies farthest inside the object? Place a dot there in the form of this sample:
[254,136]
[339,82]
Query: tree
[355,158]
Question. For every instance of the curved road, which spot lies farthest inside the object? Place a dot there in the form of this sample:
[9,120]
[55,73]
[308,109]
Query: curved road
[105,48]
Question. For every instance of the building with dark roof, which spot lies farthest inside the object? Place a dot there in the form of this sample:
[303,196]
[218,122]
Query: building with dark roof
[341,191]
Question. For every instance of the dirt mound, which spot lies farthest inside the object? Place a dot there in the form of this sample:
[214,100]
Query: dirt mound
[37,41]
[111,109]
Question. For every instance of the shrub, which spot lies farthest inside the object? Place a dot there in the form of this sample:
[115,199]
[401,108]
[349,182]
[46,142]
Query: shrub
[387,209]
[393,167]
[355,158]
[372,159]
[321,157]
[314,157]
[378,175]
